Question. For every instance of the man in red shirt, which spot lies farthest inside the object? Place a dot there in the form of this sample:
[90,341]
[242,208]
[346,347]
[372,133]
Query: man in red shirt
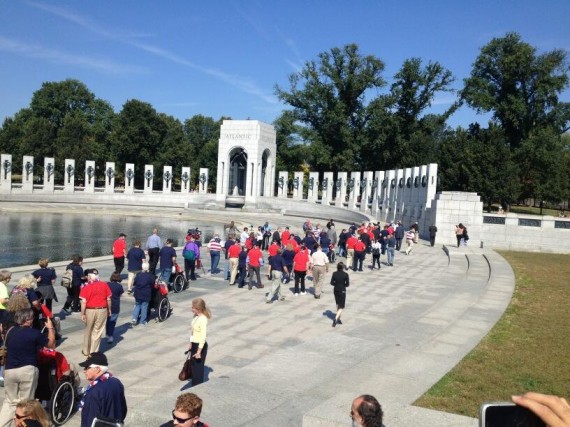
[350,242]
[120,252]
[233,255]
[285,235]
[255,259]
[359,254]
[300,267]
[273,249]
[95,307]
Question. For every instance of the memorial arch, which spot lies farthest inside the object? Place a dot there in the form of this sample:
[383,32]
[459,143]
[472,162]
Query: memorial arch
[246,162]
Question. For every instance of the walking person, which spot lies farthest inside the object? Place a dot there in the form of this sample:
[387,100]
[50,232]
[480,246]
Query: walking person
[215,247]
[376,250]
[459,233]
[167,256]
[409,241]
[399,234]
[255,262]
[45,278]
[277,270]
[233,253]
[340,280]
[120,252]
[432,231]
[135,258]
[144,281]
[319,265]
[242,267]
[72,301]
[191,253]
[464,236]
[95,308]
[359,255]
[116,292]
[153,247]
[390,249]
[198,343]
[300,266]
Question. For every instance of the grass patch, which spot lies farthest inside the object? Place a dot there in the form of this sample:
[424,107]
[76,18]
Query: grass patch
[534,211]
[527,350]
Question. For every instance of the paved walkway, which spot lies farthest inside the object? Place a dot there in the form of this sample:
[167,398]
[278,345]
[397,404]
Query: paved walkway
[284,365]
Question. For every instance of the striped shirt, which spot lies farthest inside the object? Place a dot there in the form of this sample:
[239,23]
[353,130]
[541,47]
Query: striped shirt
[214,245]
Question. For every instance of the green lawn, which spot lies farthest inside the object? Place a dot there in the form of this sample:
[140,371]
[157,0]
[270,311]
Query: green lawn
[527,350]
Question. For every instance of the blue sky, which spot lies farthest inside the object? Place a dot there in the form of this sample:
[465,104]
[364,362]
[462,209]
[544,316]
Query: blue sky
[224,58]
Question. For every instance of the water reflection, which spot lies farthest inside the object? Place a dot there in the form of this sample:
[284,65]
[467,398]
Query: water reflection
[27,237]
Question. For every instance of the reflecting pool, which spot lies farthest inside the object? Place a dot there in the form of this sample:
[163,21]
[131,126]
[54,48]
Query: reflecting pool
[27,237]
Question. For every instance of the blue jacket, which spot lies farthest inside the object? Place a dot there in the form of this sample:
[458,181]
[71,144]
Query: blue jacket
[106,399]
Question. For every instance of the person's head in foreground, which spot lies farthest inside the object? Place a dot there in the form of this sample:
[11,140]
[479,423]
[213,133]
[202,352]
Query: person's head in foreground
[366,411]
[30,412]
[187,410]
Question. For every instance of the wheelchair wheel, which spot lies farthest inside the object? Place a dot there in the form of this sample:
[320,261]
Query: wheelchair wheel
[178,283]
[62,403]
[163,310]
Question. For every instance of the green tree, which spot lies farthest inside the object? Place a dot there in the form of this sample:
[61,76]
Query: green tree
[137,137]
[328,98]
[292,152]
[519,87]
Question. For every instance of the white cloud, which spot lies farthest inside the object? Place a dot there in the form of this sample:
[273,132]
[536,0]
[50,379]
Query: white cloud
[60,57]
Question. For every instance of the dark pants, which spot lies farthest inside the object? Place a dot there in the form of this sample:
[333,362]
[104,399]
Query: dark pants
[189,268]
[432,240]
[242,274]
[119,264]
[375,259]
[459,237]
[300,277]
[255,270]
[358,260]
[72,300]
[153,255]
[198,364]
[398,244]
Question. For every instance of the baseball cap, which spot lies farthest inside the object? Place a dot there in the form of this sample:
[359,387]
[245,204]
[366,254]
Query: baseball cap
[95,358]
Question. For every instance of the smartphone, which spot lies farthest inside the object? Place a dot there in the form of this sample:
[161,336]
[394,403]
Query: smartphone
[507,414]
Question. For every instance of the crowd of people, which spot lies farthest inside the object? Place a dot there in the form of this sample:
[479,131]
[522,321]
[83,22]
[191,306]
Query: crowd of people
[291,257]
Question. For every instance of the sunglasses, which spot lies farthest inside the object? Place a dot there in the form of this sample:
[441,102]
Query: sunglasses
[180,420]
[19,417]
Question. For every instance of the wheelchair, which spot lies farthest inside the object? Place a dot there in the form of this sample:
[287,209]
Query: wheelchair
[160,302]
[60,394]
[177,281]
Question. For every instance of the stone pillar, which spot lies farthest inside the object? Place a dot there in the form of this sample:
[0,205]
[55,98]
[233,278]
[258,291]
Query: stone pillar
[377,191]
[340,184]
[89,186]
[203,180]
[366,186]
[109,177]
[49,169]
[167,179]
[185,183]
[28,174]
[6,171]
[298,185]
[69,176]
[431,182]
[313,187]
[354,186]
[148,178]
[327,188]
[129,178]
[282,184]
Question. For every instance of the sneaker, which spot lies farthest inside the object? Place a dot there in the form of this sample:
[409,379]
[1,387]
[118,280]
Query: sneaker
[130,292]
[317,296]
[133,322]
[339,322]
[110,340]
[303,293]
[66,310]
[296,294]
[282,299]
[269,302]
[144,323]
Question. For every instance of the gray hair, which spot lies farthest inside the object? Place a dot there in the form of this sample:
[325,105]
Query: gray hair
[22,316]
